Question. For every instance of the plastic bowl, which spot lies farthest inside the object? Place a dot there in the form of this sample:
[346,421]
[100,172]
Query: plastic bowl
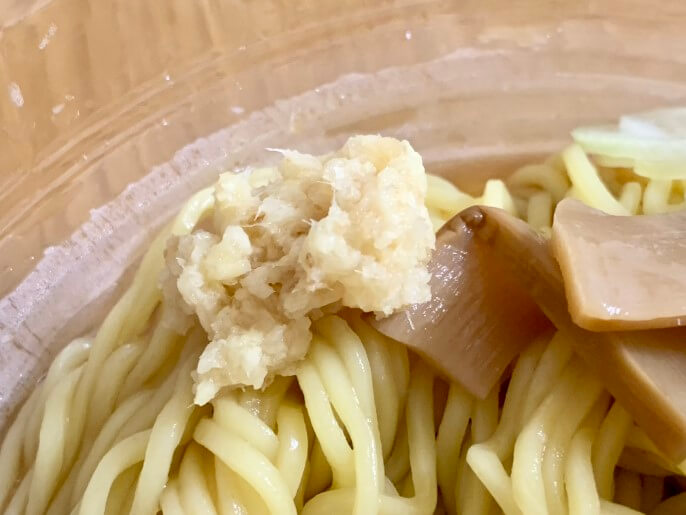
[114,111]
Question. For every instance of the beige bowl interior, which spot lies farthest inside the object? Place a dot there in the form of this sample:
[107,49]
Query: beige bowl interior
[114,111]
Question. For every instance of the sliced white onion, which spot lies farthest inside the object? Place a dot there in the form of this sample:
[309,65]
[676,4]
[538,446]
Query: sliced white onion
[653,143]
[665,123]
[610,141]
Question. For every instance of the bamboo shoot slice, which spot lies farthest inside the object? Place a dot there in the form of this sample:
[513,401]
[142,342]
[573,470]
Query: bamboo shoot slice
[621,272]
[478,320]
[644,370]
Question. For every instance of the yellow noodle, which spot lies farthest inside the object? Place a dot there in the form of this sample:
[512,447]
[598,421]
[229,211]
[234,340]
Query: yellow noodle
[551,365]
[353,355]
[121,495]
[401,369]
[579,480]
[463,476]
[125,454]
[247,462]
[363,431]
[539,213]
[486,458]
[420,432]
[87,463]
[437,219]
[18,500]
[165,436]
[489,469]
[631,197]
[193,488]
[587,183]
[512,417]
[319,477]
[588,390]
[608,447]
[266,404]
[329,434]
[546,177]
[451,432]
[10,452]
[656,197]
[73,355]
[161,345]
[122,426]
[484,423]
[300,494]
[170,502]
[528,480]
[398,464]
[444,195]
[497,195]
[385,388]
[232,416]
[228,492]
[53,434]
[251,498]
[118,365]
[423,459]
[292,452]
[597,414]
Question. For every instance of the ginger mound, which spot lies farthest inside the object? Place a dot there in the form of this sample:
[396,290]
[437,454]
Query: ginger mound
[290,242]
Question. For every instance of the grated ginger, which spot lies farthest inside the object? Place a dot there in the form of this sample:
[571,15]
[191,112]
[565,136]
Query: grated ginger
[290,242]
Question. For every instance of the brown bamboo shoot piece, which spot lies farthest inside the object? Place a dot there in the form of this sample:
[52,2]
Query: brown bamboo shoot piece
[644,370]
[478,320]
[621,272]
